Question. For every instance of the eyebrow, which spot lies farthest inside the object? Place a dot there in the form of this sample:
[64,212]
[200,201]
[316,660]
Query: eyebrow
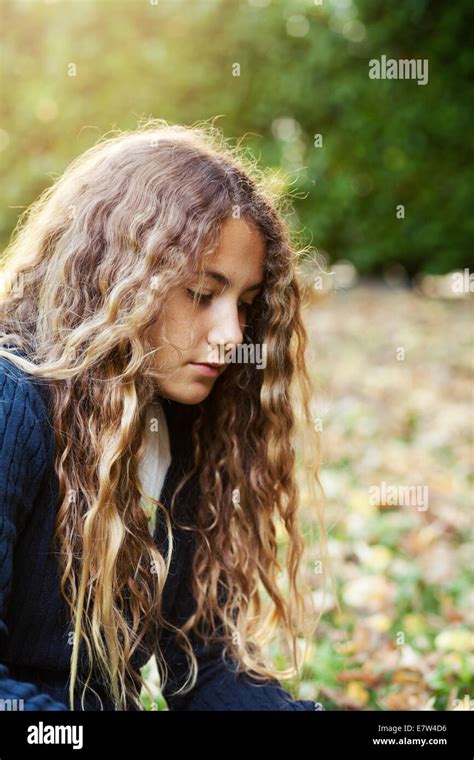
[224,280]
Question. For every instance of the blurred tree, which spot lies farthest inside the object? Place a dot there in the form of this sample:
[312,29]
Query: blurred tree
[72,70]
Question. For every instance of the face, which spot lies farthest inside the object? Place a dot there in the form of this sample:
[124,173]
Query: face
[210,315]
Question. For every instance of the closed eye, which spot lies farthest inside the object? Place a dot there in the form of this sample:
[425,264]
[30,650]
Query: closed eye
[199,297]
[205,298]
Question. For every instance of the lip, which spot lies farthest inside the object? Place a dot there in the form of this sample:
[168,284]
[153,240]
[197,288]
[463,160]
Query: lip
[208,370]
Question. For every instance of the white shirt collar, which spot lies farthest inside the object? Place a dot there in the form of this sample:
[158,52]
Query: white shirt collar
[156,458]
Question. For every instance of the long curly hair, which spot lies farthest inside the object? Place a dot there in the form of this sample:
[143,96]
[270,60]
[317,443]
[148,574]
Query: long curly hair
[90,265]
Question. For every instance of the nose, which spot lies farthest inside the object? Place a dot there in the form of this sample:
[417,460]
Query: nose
[226,329]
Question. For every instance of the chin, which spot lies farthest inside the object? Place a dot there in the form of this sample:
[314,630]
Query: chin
[189,395]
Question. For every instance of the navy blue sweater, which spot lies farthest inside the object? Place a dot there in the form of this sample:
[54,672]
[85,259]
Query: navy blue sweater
[35,632]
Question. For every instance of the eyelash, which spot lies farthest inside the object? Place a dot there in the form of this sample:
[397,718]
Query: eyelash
[205,298]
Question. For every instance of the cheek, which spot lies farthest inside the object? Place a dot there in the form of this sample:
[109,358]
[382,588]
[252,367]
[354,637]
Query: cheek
[183,323]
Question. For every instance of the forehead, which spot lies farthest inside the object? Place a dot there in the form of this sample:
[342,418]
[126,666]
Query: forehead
[241,252]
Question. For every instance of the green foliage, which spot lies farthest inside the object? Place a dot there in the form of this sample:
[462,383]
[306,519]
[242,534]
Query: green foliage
[303,71]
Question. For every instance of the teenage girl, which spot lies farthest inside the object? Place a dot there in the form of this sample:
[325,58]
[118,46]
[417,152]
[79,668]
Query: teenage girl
[148,495]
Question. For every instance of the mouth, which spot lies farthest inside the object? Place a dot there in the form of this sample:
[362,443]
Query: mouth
[209,370]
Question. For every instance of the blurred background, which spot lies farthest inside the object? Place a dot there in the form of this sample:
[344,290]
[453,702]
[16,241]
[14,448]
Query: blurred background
[379,172]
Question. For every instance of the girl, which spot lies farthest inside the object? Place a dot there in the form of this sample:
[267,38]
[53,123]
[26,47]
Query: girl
[148,477]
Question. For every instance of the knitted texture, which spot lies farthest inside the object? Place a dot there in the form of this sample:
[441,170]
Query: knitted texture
[35,632]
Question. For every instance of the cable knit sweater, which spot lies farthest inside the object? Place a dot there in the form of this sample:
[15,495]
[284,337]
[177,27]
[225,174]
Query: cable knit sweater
[35,632]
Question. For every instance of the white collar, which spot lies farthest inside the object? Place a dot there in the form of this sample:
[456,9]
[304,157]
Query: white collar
[156,458]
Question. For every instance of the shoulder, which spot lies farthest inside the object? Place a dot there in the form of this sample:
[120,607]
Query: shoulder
[26,444]
[23,410]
